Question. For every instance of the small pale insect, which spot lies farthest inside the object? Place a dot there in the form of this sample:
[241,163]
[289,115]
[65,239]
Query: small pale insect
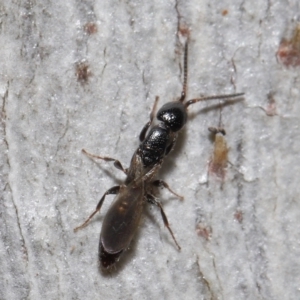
[219,160]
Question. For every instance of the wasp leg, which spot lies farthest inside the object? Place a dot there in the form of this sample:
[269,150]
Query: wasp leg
[117,163]
[163,184]
[150,174]
[146,127]
[114,190]
[152,200]
[170,147]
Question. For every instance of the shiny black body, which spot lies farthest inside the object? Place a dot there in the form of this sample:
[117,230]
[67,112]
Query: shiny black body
[161,138]
[155,145]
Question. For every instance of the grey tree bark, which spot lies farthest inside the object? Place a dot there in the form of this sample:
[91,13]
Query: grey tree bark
[85,74]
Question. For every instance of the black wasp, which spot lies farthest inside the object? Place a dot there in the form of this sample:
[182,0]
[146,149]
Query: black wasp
[122,219]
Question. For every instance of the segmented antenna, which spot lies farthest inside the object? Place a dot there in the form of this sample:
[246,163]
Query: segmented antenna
[185,75]
[192,101]
[185,69]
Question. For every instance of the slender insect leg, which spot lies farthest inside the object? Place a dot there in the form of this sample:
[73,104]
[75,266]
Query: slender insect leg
[152,200]
[117,163]
[170,147]
[163,184]
[114,190]
[146,127]
[151,173]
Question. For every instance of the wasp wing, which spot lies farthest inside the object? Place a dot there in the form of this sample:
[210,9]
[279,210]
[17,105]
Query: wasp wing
[122,218]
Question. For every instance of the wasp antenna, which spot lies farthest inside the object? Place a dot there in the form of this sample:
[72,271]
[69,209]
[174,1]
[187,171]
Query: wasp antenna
[192,101]
[185,70]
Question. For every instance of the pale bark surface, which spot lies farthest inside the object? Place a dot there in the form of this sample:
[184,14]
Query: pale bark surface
[239,239]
